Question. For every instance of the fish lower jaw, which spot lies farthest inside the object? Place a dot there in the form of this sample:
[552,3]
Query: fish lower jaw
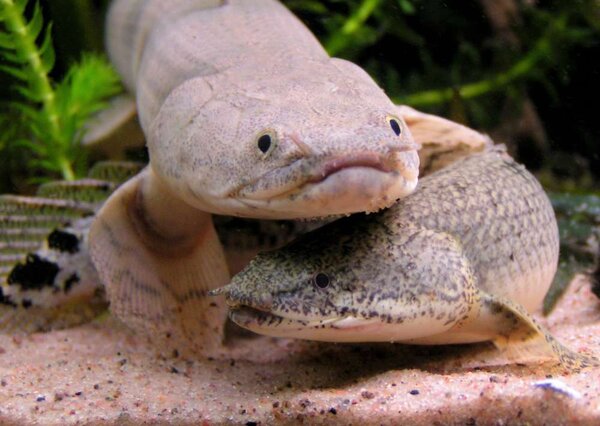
[337,329]
[349,190]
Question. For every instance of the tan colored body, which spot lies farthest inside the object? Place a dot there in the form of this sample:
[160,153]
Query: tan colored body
[462,259]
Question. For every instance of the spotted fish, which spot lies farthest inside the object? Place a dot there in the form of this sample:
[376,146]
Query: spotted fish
[463,259]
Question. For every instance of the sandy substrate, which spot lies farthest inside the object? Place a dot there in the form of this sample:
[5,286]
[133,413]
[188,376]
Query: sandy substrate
[100,373]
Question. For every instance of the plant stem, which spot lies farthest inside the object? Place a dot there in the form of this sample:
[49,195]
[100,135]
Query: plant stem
[338,40]
[471,90]
[66,169]
[24,44]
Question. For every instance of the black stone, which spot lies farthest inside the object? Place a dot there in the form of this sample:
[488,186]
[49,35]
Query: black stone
[35,274]
[63,241]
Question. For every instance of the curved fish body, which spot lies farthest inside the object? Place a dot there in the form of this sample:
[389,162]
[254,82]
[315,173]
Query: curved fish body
[212,78]
[462,259]
[246,115]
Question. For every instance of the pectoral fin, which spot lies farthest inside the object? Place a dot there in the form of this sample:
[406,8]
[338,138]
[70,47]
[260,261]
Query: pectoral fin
[442,141]
[158,257]
[520,335]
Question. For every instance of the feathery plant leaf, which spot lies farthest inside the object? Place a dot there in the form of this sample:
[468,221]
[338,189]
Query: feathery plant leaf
[83,92]
[56,113]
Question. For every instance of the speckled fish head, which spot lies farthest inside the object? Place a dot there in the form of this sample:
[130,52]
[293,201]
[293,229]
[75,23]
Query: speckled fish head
[304,283]
[319,287]
[286,147]
[355,280]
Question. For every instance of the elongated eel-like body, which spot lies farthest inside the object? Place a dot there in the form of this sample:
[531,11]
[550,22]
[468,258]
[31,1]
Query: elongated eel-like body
[462,259]
[244,114]
[212,77]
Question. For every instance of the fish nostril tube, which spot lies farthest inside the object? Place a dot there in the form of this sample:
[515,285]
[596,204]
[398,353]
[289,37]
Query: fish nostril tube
[264,301]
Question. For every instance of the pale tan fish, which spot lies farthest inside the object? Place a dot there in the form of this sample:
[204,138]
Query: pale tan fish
[246,115]
[47,279]
[463,259]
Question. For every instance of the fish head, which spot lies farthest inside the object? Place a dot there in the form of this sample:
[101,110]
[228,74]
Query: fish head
[319,288]
[285,145]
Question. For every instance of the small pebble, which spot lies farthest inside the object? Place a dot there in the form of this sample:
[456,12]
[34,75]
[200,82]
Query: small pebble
[414,392]
[59,396]
[558,387]
[333,411]
[304,403]
[367,394]
[40,398]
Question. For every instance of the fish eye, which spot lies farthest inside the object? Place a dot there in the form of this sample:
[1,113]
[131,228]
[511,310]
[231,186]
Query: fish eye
[266,142]
[321,280]
[395,125]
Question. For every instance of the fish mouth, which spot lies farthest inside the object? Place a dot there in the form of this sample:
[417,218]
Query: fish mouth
[331,329]
[263,322]
[338,184]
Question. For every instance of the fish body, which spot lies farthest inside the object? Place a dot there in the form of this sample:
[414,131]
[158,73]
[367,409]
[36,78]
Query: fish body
[463,259]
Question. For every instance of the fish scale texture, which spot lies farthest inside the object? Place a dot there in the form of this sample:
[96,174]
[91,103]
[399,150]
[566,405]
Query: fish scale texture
[511,237]
[102,374]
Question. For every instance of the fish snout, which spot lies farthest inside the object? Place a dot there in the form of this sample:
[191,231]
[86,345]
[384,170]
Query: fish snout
[236,298]
[262,302]
[405,162]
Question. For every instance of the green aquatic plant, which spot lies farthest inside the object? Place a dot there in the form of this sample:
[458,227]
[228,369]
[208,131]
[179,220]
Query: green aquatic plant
[578,217]
[54,114]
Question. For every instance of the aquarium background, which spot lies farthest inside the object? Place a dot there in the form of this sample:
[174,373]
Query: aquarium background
[527,72]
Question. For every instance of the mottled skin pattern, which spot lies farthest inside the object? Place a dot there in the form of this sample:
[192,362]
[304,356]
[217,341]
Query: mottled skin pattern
[464,258]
